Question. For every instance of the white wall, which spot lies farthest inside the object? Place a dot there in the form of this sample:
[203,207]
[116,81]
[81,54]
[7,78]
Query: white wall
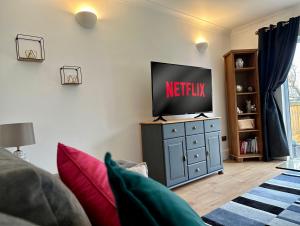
[103,113]
[244,37]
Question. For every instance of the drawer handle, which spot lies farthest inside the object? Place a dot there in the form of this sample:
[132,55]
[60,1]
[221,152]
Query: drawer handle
[212,125]
[195,142]
[197,155]
[194,127]
[174,130]
[197,170]
[184,158]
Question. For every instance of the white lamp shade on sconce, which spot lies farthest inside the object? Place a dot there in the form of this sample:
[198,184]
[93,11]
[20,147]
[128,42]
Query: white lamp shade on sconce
[202,46]
[86,19]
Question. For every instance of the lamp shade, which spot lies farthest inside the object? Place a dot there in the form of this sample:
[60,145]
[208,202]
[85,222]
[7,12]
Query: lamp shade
[86,19]
[202,46]
[16,135]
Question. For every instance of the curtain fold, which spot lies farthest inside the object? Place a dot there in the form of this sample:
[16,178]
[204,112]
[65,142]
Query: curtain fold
[276,49]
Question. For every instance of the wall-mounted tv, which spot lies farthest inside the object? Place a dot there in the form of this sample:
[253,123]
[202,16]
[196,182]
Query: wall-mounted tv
[179,89]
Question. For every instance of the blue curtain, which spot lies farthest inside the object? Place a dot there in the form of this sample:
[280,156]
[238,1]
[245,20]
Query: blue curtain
[276,49]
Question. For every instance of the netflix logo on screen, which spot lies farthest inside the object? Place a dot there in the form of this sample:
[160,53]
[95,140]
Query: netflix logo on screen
[181,89]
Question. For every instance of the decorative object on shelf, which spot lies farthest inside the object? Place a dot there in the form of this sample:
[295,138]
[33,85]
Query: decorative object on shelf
[239,63]
[253,108]
[202,46]
[239,88]
[70,75]
[239,111]
[30,48]
[30,54]
[86,17]
[16,135]
[248,106]
[250,89]
[246,123]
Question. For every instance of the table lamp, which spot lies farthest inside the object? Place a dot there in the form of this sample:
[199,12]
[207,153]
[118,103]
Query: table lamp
[16,135]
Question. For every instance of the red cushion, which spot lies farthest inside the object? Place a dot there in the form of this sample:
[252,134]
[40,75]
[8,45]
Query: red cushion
[87,178]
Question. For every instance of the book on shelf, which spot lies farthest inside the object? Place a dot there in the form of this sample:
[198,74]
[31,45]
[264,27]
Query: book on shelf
[249,146]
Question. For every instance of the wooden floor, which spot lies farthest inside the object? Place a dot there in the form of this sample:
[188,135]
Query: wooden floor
[207,194]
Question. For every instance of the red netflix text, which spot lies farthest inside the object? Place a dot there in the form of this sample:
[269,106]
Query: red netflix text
[181,89]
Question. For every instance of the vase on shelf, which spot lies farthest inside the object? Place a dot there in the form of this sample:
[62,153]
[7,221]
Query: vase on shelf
[239,63]
[248,106]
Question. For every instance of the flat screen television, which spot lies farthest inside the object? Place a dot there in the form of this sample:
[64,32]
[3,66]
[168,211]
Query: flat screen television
[179,89]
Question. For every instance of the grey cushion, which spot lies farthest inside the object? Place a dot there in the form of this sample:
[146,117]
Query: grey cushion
[35,195]
[7,220]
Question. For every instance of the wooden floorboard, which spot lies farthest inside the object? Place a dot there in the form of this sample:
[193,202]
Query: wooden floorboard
[209,193]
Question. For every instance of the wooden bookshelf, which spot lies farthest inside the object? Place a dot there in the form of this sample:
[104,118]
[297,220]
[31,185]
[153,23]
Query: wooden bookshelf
[246,76]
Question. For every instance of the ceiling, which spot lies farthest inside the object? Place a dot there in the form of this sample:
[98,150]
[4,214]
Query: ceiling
[226,14]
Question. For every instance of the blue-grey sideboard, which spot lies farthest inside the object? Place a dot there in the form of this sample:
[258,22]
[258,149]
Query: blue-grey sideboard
[180,151]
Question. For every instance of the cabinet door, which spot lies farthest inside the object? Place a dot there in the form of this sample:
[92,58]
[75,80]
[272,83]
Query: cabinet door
[213,151]
[175,161]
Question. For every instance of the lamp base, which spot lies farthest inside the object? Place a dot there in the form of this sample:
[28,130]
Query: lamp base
[20,154]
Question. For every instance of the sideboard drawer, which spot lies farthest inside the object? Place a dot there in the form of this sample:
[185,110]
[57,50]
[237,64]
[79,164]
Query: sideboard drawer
[197,169]
[173,130]
[195,141]
[194,127]
[196,155]
[212,125]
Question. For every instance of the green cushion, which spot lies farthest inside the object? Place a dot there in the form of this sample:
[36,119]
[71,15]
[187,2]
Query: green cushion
[143,201]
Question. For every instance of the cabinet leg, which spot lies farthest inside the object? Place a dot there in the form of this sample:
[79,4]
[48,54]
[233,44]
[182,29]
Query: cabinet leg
[221,172]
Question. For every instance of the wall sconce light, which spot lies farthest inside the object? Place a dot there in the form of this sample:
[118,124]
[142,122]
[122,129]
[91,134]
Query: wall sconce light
[202,46]
[86,18]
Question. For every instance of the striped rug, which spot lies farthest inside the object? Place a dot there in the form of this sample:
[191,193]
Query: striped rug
[275,202]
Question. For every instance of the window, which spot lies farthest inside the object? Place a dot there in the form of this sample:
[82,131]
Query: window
[292,97]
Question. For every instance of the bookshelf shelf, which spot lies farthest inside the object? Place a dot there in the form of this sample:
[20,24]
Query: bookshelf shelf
[30,59]
[241,157]
[245,143]
[248,130]
[30,48]
[247,114]
[251,155]
[245,69]
[246,93]
[70,75]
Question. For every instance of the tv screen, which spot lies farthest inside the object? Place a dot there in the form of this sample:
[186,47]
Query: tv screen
[179,89]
